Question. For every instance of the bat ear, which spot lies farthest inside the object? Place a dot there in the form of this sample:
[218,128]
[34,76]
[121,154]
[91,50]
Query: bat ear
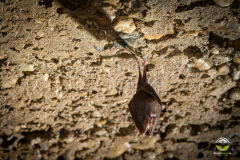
[147,88]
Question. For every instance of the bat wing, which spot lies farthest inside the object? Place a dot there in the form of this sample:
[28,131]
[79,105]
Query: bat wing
[147,88]
[145,110]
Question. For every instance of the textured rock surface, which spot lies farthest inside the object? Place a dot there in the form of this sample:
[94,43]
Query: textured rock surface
[66,78]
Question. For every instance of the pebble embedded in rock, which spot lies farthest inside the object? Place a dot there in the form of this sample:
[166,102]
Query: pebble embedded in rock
[151,37]
[215,50]
[222,70]
[110,12]
[221,58]
[223,3]
[136,15]
[96,113]
[194,33]
[58,79]
[236,113]
[16,128]
[118,149]
[63,33]
[113,2]
[212,73]
[45,77]
[105,70]
[1,141]
[146,143]
[235,72]
[124,24]
[227,79]
[70,138]
[203,64]
[40,34]
[157,30]
[8,82]
[235,94]
[155,54]
[89,144]
[26,67]
[101,123]
[236,75]
[111,92]
[220,90]
[101,132]
[236,59]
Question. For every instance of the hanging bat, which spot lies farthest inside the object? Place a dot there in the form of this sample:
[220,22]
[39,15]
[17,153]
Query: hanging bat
[145,106]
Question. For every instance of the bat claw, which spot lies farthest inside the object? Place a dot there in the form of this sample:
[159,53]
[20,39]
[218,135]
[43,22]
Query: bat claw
[136,60]
[146,60]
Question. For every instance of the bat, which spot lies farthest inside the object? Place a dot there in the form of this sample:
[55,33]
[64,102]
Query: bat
[145,106]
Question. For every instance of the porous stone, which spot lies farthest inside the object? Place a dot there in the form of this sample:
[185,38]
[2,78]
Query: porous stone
[8,82]
[223,3]
[26,67]
[157,31]
[220,90]
[223,69]
[235,72]
[67,76]
[118,149]
[235,94]
[203,64]
[113,2]
[236,58]
[124,24]
[221,58]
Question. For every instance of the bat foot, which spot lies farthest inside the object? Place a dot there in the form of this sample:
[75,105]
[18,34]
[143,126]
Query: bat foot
[145,134]
[138,63]
[148,135]
[146,60]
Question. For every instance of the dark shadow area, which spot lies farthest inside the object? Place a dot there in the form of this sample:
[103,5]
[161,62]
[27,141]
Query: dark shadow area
[214,39]
[193,51]
[182,8]
[92,18]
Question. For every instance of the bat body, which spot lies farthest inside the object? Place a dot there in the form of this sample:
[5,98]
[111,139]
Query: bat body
[145,106]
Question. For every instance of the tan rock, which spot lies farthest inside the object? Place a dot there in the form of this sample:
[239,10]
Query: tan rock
[223,3]
[220,90]
[26,67]
[113,2]
[8,82]
[118,149]
[235,94]
[203,64]
[124,24]
[223,69]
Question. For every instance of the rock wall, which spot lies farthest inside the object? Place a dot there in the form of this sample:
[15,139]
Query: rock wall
[68,72]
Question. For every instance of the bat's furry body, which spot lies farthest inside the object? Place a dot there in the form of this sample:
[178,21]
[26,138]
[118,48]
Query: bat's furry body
[145,106]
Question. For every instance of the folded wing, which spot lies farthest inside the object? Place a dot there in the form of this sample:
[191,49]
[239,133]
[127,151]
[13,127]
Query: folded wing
[145,108]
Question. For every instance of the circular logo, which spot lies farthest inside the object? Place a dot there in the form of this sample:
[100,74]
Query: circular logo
[222,144]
